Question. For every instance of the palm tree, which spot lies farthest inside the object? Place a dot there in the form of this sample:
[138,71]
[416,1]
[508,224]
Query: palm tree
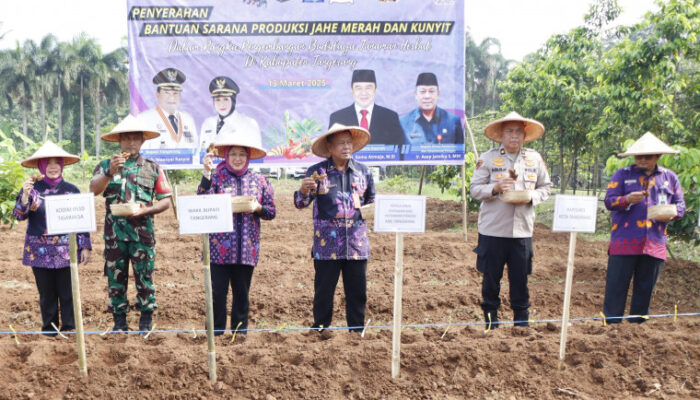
[86,53]
[483,70]
[108,82]
[472,57]
[18,79]
[64,72]
[45,63]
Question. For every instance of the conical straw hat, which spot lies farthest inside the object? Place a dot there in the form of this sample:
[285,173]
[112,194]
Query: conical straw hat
[229,136]
[360,138]
[129,124]
[648,144]
[533,129]
[50,150]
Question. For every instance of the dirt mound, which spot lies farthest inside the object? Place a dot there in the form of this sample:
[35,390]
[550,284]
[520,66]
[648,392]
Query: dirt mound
[657,359]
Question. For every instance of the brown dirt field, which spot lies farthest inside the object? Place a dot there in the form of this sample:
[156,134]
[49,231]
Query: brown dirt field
[659,359]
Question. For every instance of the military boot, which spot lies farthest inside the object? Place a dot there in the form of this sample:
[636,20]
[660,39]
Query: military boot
[145,322]
[492,317]
[120,323]
[521,317]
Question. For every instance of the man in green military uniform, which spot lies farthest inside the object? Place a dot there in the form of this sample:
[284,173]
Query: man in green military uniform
[130,178]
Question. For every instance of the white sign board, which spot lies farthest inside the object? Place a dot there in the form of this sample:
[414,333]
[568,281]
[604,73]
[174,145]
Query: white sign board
[209,213]
[393,213]
[574,213]
[70,213]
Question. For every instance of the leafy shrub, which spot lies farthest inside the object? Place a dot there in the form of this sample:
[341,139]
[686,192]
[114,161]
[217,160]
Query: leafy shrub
[186,176]
[398,183]
[447,178]
[11,174]
[81,171]
[11,178]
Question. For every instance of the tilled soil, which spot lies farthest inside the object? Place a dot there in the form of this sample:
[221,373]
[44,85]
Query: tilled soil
[658,359]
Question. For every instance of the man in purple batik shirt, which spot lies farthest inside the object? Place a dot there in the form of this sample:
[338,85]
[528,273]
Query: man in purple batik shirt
[637,242]
[340,186]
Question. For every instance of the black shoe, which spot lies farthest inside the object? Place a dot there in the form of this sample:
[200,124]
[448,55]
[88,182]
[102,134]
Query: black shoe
[146,321]
[521,318]
[120,323]
[492,317]
[637,320]
[217,331]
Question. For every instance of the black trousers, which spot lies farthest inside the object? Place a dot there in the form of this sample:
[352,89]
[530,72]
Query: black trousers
[237,276]
[354,283]
[493,253]
[55,288]
[645,270]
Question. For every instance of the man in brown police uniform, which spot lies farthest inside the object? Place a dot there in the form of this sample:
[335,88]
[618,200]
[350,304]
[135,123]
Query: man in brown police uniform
[505,227]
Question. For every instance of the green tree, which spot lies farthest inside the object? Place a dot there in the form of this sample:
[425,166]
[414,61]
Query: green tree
[64,72]
[45,63]
[651,78]
[18,72]
[554,86]
[86,56]
[108,82]
[484,68]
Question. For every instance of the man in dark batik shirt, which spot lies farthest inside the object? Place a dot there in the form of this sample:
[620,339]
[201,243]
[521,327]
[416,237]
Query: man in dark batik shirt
[340,186]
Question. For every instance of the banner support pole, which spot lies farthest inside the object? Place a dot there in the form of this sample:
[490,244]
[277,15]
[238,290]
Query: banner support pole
[420,184]
[465,208]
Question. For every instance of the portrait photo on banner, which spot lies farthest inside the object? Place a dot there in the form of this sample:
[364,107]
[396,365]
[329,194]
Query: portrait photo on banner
[393,68]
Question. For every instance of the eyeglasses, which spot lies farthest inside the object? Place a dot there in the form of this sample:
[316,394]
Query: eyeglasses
[645,157]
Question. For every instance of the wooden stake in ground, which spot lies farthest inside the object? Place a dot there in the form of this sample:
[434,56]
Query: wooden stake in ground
[77,310]
[572,214]
[206,270]
[567,296]
[465,208]
[398,290]
[420,184]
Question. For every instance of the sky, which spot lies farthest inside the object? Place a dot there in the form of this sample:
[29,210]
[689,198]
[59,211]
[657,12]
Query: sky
[522,26]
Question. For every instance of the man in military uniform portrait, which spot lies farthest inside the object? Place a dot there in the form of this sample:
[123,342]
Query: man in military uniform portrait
[506,222]
[132,179]
[428,123]
[224,92]
[177,129]
[381,122]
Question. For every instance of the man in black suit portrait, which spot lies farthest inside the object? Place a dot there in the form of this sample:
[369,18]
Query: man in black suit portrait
[381,122]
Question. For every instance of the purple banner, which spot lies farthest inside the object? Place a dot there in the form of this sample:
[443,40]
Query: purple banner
[288,69]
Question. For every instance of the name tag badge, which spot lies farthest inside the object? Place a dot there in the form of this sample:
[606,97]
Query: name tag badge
[663,199]
[630,181]
[356,201]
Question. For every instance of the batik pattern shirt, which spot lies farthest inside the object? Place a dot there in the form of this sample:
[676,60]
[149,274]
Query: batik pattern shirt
[631,232]
[242,246]
[340,232]
[42,250]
